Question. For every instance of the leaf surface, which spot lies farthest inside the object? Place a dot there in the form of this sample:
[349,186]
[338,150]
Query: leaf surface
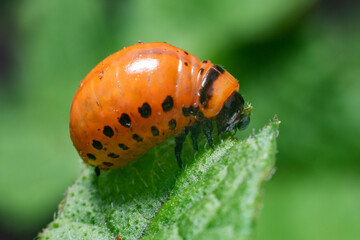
[216,196]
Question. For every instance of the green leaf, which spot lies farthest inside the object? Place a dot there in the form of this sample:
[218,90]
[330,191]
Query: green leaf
[216,196]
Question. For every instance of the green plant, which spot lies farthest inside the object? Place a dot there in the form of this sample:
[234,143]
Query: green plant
[216,196]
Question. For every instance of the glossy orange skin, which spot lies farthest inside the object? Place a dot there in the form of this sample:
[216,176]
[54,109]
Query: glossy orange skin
[122,83]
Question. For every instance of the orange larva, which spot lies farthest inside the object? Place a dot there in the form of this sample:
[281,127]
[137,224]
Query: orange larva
[137,97]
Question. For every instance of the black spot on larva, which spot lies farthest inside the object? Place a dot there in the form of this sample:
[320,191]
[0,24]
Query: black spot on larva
[206,90]
[108,131]
[145,110]
[186,52]
[109,164]
[172,124]
[113,155]
[201,71]
[168,104]
[96,144]
[123,146]
[137,138]
[91,156]
[154,131]
[205,61]
[125,120]
[186,111]
[186,64]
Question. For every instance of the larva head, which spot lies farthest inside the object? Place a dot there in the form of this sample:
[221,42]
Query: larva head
[233,115]
[219,99]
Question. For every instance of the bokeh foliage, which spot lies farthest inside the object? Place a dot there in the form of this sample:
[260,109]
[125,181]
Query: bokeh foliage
[292,58]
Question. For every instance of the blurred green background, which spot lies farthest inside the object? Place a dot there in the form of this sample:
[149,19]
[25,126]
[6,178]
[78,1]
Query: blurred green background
[299,59]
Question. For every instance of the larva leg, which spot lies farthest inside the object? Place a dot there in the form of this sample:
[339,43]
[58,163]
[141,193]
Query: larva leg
[195,131]
[97,171]
[179,140]
[208,128]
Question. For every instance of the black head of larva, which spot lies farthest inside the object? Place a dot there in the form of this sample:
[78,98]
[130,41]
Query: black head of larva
[232,114]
